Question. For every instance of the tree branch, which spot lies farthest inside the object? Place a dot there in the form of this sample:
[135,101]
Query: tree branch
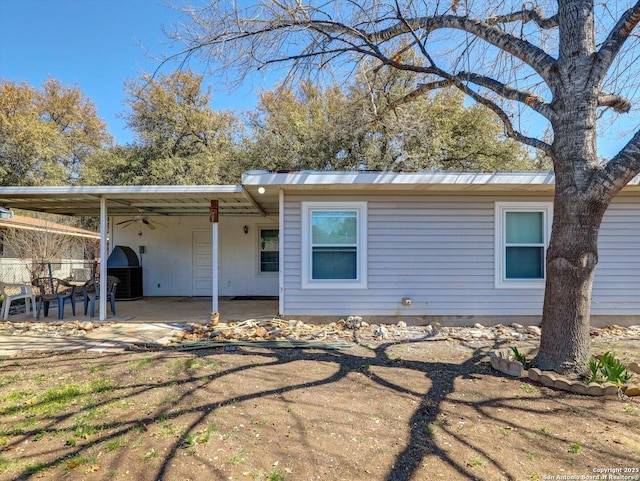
[531,100]
[618,172]
[614,42]
[620,104]
[525,16]
[535,57]
[510,130]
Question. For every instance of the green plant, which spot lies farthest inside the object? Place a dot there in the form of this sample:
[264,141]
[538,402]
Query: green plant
[528,388]
[608,368]
[235,459]
[98,368]
[200,437]
[140,363]
[113,445]
[629,409]
[276,475]
[34,467]
[149,455]
[475,462]
[518,356]
[545,430]
[574,448]
[191,364]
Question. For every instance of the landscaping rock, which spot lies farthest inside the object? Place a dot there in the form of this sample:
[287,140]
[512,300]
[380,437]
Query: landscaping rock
[381,332]
[353,322]
[535,330]
[632,390]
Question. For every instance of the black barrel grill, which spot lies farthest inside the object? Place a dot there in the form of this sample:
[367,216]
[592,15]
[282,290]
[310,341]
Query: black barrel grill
[123,263]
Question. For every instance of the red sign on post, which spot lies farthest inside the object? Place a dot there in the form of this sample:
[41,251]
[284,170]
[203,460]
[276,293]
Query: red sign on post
[214,211]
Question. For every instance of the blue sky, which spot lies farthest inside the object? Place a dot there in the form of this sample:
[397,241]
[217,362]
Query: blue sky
[96,45]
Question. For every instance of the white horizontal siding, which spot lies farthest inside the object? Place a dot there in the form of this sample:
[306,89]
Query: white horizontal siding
[439,251]
[436,250]
[616,287]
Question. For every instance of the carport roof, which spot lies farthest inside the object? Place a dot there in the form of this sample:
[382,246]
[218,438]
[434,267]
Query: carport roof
[131,200]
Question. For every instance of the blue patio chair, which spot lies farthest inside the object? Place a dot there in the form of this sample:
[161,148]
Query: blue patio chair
[92,292]
[54,289]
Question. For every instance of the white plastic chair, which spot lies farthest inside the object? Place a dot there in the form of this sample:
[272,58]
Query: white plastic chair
[13,292]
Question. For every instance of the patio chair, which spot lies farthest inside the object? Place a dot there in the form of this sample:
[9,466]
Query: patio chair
[92,292]
[54,289]
[13,292]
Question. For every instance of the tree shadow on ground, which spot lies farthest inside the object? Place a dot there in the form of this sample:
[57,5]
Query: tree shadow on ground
[187,399]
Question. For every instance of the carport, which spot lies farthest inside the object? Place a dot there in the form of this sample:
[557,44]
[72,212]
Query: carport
[211,201]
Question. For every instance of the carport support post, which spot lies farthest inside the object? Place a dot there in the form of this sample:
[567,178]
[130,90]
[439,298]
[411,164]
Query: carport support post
[213,218]
[103,259]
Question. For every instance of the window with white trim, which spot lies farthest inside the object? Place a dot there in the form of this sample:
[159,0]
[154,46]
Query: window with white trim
[334,248]
[269,250]
[522,237]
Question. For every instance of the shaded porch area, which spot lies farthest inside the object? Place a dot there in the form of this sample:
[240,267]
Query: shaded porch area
[170,309]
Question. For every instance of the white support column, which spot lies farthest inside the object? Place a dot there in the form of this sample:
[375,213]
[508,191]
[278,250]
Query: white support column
[103,259]
[281,252]
[213,218]
[214,267]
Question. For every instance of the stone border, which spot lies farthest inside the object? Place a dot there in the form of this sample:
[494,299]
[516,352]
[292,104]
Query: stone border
[502,360]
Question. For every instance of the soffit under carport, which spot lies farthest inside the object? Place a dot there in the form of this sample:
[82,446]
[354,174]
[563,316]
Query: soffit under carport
[233,200]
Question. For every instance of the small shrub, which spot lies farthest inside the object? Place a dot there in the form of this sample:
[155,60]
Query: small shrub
[574,448]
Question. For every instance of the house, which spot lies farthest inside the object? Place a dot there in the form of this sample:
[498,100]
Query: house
[72,255]
[428,246]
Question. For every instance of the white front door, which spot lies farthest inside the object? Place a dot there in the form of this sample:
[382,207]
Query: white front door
[202,262]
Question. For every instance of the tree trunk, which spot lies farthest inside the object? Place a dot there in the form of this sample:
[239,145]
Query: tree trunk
[571,262]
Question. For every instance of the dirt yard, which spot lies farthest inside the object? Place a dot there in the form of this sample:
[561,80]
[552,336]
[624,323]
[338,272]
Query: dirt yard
[386,411]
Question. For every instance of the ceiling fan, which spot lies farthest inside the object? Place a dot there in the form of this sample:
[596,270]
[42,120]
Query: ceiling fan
[139,219]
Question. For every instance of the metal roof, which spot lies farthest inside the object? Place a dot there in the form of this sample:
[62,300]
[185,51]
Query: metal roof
[31,223]
[427,180]
[260,190]
[131,200]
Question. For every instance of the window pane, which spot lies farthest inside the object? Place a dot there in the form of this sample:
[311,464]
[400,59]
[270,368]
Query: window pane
[269,248]
[269,262]
[524,227]
[334,228]
[334,263]
[269,240]
[525,263]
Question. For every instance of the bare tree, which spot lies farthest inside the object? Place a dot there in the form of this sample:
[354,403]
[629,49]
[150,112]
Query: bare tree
[46,243]
[567,62]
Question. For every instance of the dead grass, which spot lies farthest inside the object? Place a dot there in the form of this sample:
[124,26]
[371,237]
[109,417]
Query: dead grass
[403,411]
